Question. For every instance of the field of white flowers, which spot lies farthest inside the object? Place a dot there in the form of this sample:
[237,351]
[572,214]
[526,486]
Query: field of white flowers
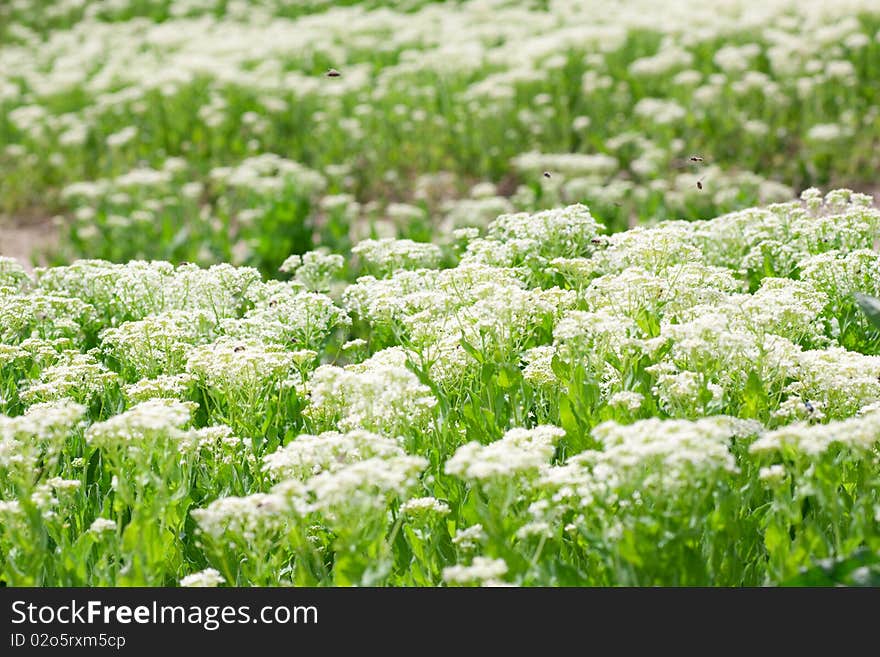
[423,293]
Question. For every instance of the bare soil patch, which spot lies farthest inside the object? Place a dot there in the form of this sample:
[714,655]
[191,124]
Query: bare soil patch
[27,240]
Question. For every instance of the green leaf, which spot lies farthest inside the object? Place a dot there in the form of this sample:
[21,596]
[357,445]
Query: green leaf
[469,348]
[870,306]
[754,395]
[628,549]
[179,239]
[567,417]
[560,369]
[775,538]
[861,568]
[508,376]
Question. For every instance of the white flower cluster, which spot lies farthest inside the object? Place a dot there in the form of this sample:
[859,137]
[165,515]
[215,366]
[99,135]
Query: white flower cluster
[685,360]
[308,455]
[135,290]
[301,319]
[534,239]
[142,423]
[860,433]
[204,578]
[12,274]
[237,366]
[42,431]
[158,344]
[344,494]
[268,175]
[482,570]
[650,459]
[170,386]
[667,453]
[387,255]
[246,517]
[41,315]
[73,375]
[315,269]
[519,452]
[424,506]
[380,394]
[486,307]
[340,495]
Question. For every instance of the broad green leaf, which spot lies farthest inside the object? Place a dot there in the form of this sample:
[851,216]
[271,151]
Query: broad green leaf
[470,349]
[870,306]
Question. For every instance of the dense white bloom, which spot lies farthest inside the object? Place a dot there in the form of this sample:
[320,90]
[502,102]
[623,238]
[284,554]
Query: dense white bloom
[379,394]
[204,578]
[158,343]
[76,376]
[786,308]
[521,237]
[627,399]
[751,313]
[481,569]
[315,269]
[309,455]
[38,314]
[12,274]
[388,255]
[244,517]
[417,506]
[289,317]
[668,453]
[518,452]
[234,365]
[859,433]
[651,249]
[538,368]
[102,526]
[469,538]
[363,485]
[137,289]
[171,386]
[843,381]
[47,421]
[772,474]
[155,417]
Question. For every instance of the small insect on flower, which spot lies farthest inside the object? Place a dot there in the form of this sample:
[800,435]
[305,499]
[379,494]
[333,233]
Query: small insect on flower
[546,174]
[700,184]
[333,73]
[695,158]
[238,349]
[808,406]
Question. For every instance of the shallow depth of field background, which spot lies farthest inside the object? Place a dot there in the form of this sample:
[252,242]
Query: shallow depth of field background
[207,131]
[421,293]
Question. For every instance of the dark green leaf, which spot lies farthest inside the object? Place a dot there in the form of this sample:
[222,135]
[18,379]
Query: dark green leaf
[870,306]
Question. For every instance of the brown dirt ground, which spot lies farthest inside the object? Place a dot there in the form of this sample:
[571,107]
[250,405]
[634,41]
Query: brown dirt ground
[24,240]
